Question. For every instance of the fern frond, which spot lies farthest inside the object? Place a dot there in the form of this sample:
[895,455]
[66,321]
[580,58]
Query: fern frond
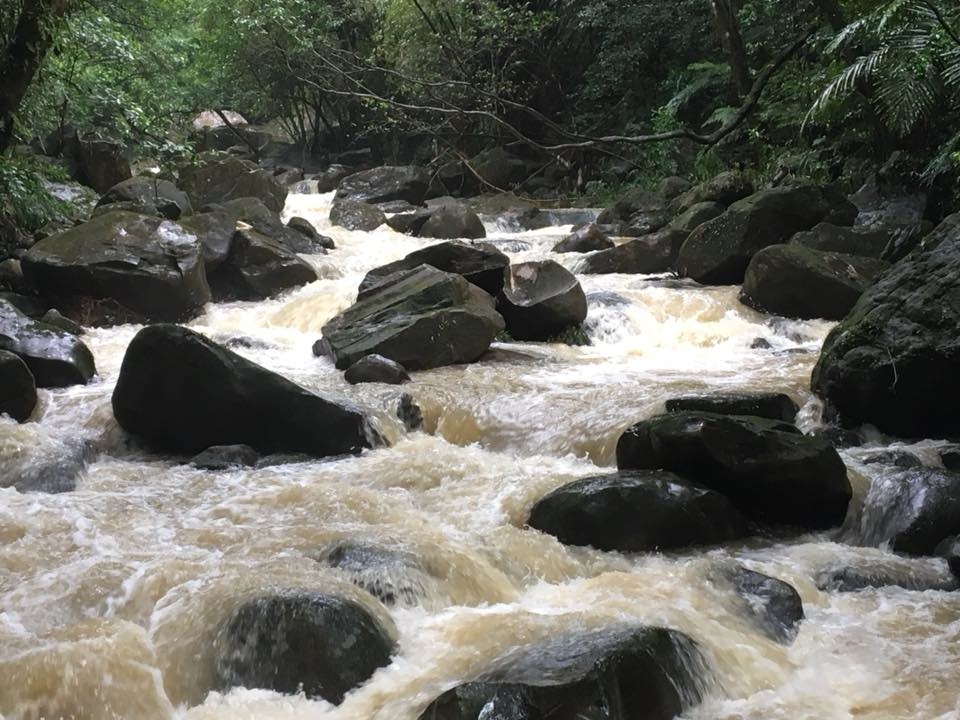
[847,81]
[904,98]
[944,161]
[846,35]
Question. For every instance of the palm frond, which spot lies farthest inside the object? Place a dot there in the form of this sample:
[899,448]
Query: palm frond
[847,81]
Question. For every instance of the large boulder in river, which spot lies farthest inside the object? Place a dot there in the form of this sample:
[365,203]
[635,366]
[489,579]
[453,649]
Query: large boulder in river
[645,673]
[480,263]
[421,318]
[637,511]
[384,184]
[772,605]
[773,406]
[258,267]
[893,361]
[214,231]
[798,282]
[719,251]
[181,392]
[18,391]
[723,189]
[217,178]
[540,300]
[656,253]
[253,212]
[354,215]
[771,472]
[313,242]
[376,369]
[149,265]
[101,164]
[451,221]
[697,215]
[55,358]
[588,238]
[152,194]
[868,241]
[321,645]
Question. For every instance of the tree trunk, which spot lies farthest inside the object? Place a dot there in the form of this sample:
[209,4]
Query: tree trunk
[728,28]
[22,56]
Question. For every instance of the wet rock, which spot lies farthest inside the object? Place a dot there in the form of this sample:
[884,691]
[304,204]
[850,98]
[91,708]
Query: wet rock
[798,282]
[673,187]
[771,472]
[892,362]
[214,231]
[356,216]
[950,549]
[452,221]
[258,267]
[773,406]
[761,344]
[607,298]
[11,277]
[253,213]
[161,195]
[588,238]
[329,179]
[55,358]
[323,645]
[719,251]
[855,579]
[655,253]
[27,305]
[540,300]
[644,223]
[152,266]
[421,318]
[409,413]
[218,178]
[395,577]
[376,369]
[383,184]
[409,222]
[951,459]
[645,673]
[637,512]
[182,393]
[500,168]
[101,164]
[773,605]
[481,264]
[45,475]
[18,391]
[634,202]
[697,215]
[724,189]
[862,241]
[316,243]
[893,458]
[225,457]
[54,319]
[888,204]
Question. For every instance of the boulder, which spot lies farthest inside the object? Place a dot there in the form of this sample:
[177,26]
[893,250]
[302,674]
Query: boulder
[394,576]
[878,575]
[18,391]
[637,512]
[868,242]
[480,263]
[409,413]
[421,318]
[892,362]
[321,645]
[252,212]
[950,549]
[356,215]
[409,222]
[55,358]
[376,369]
[773,406]
[214,231]
[45,469]
[101,164]
[226,457]
[183,393]
[258,267]
[501,169]
[217,178]
[697,215]
[673,187]
[724,189]
[773,605]
[329,179]
[771,472]
[149,265]
[652,254]
[161,196]
[315,243]
[798,282]
[540,300]
[634,202]
[588,238]
[383,184]
[452,221]
[719,251]
[645,673]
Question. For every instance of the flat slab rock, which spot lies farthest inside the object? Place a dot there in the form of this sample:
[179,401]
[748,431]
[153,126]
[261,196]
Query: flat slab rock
[774,406]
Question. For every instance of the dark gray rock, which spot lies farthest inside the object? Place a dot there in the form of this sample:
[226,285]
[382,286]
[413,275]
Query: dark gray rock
[356,215]
[862,241]
[773,605]
[18,391]
[452,221]
[409,223]
[950,549]
[697,215]
[394,576]
[383,184]
[316,243]
[55,358]
[855,579]
[214,231]
[376,369]
[540,300]
[253,213]
[771,472]
[773,406]
[43,474]
[329,179]
[632,203]
[225,457]
[101,164]
[724,189]
[322,645]
[409,412]
[258,267]
[588,238]
[162,195]
[656,253]
[182,393]
[951,458]
[217,178]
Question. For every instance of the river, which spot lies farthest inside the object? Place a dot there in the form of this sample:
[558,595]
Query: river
[110,594]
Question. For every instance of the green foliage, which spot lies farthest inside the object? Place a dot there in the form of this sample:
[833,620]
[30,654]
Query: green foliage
[25,195]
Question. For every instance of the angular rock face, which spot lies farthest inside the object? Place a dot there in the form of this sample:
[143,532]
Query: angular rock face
[771,472]
[588,238]
[214,230]
[799,282]
[160,195]
[892,362]
[149,265]
[18,391]
[481,264]
[421,318]
[863,241]
[376,369]
[181,392]
[646,673]
[252,212]
[724,189]
[315,242]
[773,406]
[356,215]
[323,644]
[773,605]
[540,300]
[101,164]
[257,268]
[383,184]
[452,221]
[656,253]
[218,178]
[719,251]
[637,512]
[55,358]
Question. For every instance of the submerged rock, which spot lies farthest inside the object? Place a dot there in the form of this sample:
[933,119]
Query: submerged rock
[637,512]
[18,391]
[422,318]
[773,406]
[540,300]
[376,369]
[395,577]
[226,457]
[773,605]
[183,393]
[771,472]
[950,549]
[409,413]
[54,357]
[855,579]
[322,645]
[588,238]
[315,242]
